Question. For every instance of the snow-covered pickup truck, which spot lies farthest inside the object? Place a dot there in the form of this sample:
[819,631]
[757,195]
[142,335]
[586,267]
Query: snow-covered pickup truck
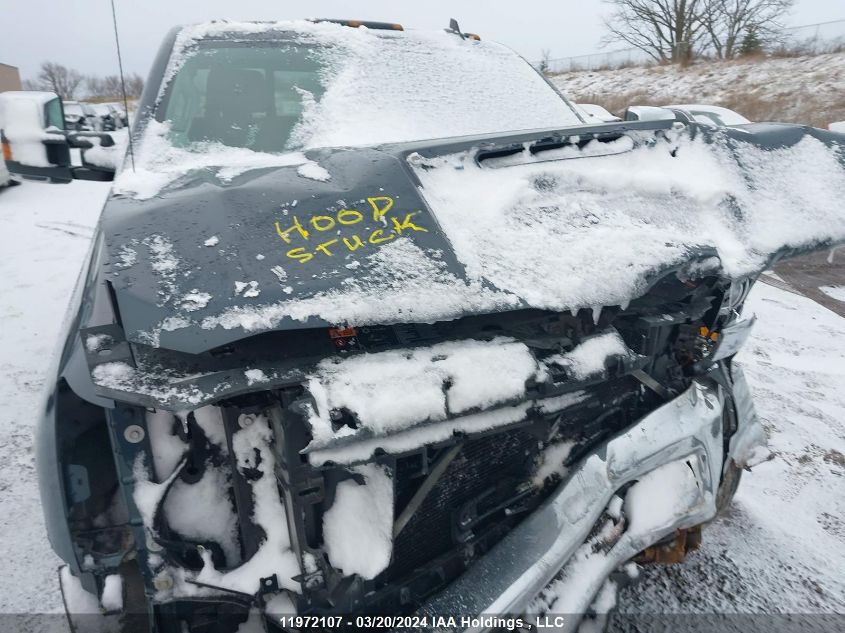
[374,324]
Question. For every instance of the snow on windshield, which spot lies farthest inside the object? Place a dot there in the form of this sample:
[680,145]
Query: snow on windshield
[425,85]
[360,88]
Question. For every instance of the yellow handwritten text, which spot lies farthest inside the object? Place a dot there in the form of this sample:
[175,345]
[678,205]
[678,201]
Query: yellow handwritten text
[304,229]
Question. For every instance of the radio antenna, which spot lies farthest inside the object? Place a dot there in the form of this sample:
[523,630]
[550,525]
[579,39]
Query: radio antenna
[123,85]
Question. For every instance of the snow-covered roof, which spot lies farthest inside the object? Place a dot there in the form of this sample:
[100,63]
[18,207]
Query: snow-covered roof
[39,96]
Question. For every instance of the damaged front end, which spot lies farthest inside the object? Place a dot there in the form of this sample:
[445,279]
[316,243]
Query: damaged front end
[433,377]
[454,467]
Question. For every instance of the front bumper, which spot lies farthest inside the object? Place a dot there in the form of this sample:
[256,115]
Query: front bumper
[542,547]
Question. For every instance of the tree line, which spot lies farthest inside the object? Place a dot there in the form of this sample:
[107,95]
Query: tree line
[71,84]
[681,30]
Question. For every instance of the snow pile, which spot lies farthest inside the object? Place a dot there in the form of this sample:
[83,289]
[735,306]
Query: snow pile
[414,437]
[158,162]
[389,391]
[358,528]
[254,453]
[836,292]
[588,231]
[658,498]
[254,376]
[202,511]
[551,462]
[248,288]
[195,300]
[94,342]
[314,171]
[591,356]
[112,598]
[77,600]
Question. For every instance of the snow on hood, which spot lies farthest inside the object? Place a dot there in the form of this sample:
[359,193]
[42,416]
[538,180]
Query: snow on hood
[585,232]
[158,162]
[588,229]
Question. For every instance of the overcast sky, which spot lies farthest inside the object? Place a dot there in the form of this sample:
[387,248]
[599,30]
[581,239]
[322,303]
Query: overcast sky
[79,33]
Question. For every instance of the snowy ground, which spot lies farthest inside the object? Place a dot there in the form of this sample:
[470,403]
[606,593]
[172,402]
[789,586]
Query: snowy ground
[780,549]
[791,89]
[45,232]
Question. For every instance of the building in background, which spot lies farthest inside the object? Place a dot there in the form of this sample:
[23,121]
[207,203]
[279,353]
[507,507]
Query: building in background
[10,78]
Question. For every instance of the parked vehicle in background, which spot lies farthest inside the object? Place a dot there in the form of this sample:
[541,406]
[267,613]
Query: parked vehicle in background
[36,144]
[594,113]
[838,126]
[80,116]
[120,113]
[648,113]
[713,116]
[109,117]
[709,115]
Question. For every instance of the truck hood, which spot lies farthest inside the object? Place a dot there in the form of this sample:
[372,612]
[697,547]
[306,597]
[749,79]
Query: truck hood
[434,231]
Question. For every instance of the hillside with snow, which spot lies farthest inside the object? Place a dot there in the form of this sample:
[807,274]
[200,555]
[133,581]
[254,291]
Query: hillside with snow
[808,89]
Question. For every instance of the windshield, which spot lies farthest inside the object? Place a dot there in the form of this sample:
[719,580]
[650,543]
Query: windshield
[336,86]
[242,96]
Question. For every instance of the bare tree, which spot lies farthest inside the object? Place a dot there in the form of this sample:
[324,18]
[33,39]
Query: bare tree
[57,78]
[726,22]
[134,86]
[545,56]
[110,87]
[94,86]
[667,30]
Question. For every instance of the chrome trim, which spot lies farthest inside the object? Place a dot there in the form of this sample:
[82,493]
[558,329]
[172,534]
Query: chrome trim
[733,337]
[513,573]
[748,445]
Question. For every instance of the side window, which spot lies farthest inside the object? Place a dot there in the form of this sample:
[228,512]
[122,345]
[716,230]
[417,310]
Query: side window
[54,116]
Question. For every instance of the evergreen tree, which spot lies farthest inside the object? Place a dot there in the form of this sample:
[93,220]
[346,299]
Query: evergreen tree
[751,43]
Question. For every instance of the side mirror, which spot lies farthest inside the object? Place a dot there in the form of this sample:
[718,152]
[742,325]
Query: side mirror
[36,148]
[648,113]
[97,162]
